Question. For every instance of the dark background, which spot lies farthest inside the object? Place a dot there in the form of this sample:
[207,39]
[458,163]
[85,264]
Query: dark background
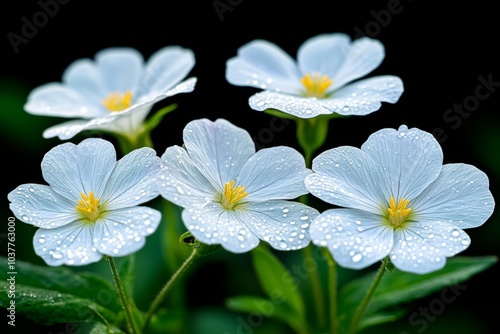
[442,52]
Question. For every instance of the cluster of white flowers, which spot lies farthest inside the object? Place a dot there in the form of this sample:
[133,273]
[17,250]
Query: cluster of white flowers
[399,199]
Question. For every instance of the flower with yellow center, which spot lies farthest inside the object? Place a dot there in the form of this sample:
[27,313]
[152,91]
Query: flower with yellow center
[232,195]
[316,85]
[322,80]
[91,206]
[118,101]
[114,92]
[398,214]
[398,200]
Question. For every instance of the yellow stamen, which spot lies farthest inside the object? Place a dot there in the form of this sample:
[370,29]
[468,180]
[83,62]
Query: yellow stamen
[316,85]
[232,196]
[397,214]
[118,101]
[89,207]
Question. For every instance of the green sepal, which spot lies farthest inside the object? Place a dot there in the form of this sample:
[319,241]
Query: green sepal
[201,249]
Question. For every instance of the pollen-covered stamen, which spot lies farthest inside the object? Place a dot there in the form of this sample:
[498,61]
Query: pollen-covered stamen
[232,195]
[88,207]
[397,214]
[316,84]
[118,101]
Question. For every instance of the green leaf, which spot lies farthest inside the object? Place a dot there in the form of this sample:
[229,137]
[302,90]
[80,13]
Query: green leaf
[50,307]
[277,281]
[57,294]
[61,279]
[259,305]
[154,120]
[401,287]
[267,308]
[100,328]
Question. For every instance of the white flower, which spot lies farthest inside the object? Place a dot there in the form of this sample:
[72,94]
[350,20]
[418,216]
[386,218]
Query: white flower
[400,200]
[320,81]
[90,206]
[113,93]
[231,194]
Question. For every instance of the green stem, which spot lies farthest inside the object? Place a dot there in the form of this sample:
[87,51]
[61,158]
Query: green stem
[333,285]
[359,312]
[317,291]
[316,286]
[163,292]
[121,293]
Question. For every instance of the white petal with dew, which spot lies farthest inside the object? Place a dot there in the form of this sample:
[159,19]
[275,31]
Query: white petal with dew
[133,180]
[323,54]
[411,159]
[54,99]
[71,244]
[347,176]
[364,55]
[181,182]
[41,206]
[460,196]
[122,232]
[422,247]
[356,239]
[274,173]
[219,149]
[74,169]
[282,224]
[165,69]
[213,225]
[263,65]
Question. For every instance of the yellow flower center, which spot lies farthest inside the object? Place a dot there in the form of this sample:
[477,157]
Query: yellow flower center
[118,101]
[397,214]
[88,207]
[316,85]
[232,196]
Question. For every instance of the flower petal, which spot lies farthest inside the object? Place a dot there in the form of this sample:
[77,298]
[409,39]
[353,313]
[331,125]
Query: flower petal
[356,239]
[181,182]
[263,65]
[364,55]
[84,77]
[347,176]
[54,99]
[365,96]
[72,169]
[423,247]
[459,196]
[274,173]
[133,180]
[283,224]
[302,107]
[323,54]
[357,99]
[39,205]
[123,231]
[219,149]
[411,160]
[212,225]
[164,69]
[71,244]
[120,68]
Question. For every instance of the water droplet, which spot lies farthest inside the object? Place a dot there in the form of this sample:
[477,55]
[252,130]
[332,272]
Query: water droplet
[357,258]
